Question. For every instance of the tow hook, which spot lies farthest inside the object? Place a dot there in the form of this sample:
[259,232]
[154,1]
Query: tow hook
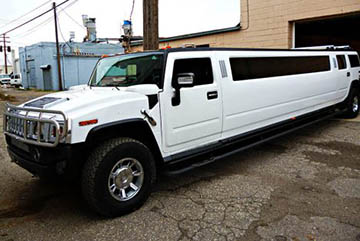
[148,117]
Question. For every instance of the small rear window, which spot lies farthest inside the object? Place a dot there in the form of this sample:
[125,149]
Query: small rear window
[354,61]
[341,61]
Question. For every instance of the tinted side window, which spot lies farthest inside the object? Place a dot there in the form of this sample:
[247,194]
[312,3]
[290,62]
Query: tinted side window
[341,61]
[354,61]
[201,68]
[265,67]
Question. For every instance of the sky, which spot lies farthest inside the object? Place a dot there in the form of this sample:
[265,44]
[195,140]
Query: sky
[175,18]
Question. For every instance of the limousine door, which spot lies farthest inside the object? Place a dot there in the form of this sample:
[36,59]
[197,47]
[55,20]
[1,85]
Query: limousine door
[343,76]
[191,112]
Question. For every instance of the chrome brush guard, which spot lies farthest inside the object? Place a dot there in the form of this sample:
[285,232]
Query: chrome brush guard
[30,126]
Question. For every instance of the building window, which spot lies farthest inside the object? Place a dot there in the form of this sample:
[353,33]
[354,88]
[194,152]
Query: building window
[200,67]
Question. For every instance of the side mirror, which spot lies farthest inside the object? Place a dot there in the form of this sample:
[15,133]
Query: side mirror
[182,80]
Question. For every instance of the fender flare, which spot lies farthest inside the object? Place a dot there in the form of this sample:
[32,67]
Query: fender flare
[355,84]
[94,131]
[136,128]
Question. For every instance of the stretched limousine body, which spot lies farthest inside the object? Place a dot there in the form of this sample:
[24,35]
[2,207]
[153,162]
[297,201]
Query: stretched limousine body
[254,89]
[173,110]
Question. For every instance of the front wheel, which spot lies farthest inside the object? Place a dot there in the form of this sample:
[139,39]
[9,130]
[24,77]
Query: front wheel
[353,104]
[118,176]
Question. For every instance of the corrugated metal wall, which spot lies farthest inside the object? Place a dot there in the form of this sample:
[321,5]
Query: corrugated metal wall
[38,64]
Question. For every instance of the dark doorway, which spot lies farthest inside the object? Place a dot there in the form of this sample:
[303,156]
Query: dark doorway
[46,71]
[31,73]
[330,31]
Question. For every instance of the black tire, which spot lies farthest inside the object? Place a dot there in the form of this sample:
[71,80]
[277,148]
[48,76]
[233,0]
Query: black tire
[352,105]
[101,163]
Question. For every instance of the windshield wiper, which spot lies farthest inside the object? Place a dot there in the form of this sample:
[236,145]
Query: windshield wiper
[110,85]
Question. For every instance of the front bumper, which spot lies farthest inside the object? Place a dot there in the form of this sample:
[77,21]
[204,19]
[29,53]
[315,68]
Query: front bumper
[40,161]
[32,167]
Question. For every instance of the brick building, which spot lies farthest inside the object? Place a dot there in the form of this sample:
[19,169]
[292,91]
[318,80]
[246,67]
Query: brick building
[283,24]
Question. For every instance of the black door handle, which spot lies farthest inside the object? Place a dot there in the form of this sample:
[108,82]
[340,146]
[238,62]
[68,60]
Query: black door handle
[212,95]
[348,74]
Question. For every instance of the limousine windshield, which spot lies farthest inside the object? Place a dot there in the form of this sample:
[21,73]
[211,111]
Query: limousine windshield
[128,70]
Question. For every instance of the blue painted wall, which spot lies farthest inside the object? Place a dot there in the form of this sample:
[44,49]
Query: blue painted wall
[77,63]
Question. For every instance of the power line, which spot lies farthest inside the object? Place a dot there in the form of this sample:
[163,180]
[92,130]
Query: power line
[62,33]
[44,23]
[132,9]
[9,61]
[72,18]
[35,28]
[16,43]
[60,30]
[8,23]
[38,16]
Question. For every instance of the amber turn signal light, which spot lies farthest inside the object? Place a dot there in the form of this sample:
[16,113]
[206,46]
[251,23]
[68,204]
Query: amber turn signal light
[88,122]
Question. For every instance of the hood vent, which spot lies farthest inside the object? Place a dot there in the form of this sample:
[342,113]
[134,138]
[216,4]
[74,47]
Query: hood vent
[45,102]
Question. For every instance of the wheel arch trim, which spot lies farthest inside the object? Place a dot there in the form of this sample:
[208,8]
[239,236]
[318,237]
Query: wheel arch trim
[98,128]
[140,124]
[355,83]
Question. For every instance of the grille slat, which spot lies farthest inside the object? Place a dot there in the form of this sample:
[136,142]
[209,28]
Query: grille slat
[40,132]
[35,129]
[16,126]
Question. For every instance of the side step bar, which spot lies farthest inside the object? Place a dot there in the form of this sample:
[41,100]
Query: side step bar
[190,167]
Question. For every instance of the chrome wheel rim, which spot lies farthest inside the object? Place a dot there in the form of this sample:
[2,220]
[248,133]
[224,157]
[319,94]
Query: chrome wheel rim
[125,179]
[355,106]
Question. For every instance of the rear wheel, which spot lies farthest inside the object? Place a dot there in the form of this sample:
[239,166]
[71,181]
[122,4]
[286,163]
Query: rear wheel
[353,104]
[118,176]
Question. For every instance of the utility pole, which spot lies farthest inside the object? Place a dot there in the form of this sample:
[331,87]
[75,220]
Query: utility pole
[151,24]
[5,56]
[57,48]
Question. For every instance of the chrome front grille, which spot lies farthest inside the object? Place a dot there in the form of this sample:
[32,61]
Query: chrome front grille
[16,126]
[35,126]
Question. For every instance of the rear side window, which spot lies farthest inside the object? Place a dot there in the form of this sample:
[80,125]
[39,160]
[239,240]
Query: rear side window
[265,67]
[200,67]
[341,61]
[354,61]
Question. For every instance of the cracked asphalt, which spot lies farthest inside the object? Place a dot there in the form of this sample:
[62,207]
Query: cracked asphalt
[302,187]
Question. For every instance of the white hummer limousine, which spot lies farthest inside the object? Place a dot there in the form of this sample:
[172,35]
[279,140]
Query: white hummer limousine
[173,110]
